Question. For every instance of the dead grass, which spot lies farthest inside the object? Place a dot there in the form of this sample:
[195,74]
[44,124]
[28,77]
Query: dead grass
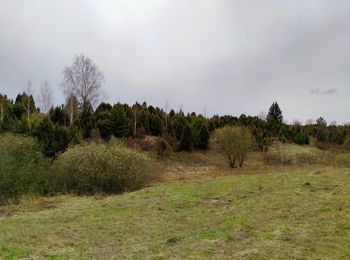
[182,167]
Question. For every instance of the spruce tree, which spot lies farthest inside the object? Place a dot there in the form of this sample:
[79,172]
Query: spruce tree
[203,138]
[275,118]
[121,123]
[186,139]
[275,114]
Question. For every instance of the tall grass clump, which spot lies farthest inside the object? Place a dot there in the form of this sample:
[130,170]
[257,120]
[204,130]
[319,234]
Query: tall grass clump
[22,167]
[100,168]
[343,160]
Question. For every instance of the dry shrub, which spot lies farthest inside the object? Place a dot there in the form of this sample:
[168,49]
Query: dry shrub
[327,146]
[284,159]
[277,158]
[173,142]
[343,160]
[163,148]
[145,143]
[95,134]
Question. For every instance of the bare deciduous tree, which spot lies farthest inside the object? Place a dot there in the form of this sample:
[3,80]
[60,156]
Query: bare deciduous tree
[28,102]
[166,108]
[72,107]
[309,122]
[262,115]
[1,109]
[297,122]
[45,97]
[83,79]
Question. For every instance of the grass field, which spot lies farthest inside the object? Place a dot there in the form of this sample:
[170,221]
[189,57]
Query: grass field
[303,214]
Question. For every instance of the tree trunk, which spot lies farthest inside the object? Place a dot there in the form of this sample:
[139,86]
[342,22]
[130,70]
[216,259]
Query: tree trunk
[135,122]
[71,111]
[2,112]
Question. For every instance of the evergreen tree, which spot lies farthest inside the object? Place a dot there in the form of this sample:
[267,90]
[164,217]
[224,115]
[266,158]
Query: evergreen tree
[104,123]
[52,139]
[186,139]
[301,138]
[275,118]
[203,138]
[86,120]
[156,125]
[321,121]
[59,116]
[120,122]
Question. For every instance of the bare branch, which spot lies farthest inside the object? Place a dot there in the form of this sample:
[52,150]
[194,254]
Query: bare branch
[45,97]
[83,79]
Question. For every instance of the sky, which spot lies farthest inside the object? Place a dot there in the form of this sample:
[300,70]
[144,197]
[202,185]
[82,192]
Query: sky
[214,56]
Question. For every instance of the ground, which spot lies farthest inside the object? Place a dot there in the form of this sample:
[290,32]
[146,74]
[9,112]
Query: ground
[213,212]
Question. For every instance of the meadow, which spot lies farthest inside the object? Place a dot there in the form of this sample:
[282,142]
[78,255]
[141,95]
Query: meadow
[195,207]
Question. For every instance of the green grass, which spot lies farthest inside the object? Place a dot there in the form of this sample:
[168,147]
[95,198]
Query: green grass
[304,214]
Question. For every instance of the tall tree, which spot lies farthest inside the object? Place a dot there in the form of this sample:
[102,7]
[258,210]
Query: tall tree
[186,138]
[28,99]
[275,118]
[275,114]
[45,97]
[72,108]
[2,101]
[203,138]
[83,79]
[321,121]
[120,121]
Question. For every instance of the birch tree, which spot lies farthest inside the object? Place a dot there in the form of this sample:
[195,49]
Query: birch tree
[45,97]
[28,99]
[84,80]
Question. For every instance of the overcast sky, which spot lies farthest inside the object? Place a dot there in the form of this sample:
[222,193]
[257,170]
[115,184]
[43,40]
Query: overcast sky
[230,56]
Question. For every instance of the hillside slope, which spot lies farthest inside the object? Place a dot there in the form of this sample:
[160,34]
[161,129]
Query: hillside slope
[296,215]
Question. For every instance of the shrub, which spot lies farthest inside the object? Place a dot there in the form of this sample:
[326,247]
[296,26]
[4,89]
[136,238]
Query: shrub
[263,139]
[346,144]
[277,158]
[52,139]
[22,167]
[234,143]
[283,158]
[302,138]
[163,148]
[99,168]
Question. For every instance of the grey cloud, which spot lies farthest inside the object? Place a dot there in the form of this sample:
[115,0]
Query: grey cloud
[318,91]
[232,56]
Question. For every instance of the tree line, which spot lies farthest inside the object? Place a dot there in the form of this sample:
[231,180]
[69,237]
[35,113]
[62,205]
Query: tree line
[55,127]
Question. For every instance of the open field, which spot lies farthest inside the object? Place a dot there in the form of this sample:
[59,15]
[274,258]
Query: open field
[299,214]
